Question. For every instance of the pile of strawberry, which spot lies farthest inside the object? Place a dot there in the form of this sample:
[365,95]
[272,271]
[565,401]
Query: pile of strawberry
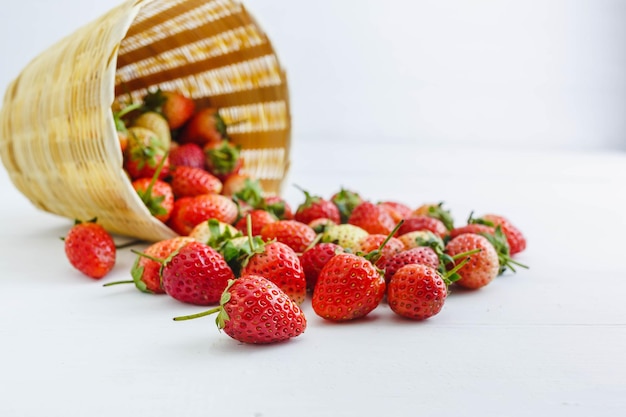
[178,157]
[256,260]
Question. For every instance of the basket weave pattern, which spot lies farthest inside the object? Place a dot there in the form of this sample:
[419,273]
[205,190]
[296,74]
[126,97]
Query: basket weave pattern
[57,135]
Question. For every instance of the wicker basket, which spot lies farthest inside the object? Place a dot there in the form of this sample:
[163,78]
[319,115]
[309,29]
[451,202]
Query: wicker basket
[57,135]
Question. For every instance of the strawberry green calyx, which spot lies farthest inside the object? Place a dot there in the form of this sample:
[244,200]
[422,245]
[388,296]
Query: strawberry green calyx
[237,252]
[251,193]
[451,276]
[224,158]
[219,235]
[309,199]
[499,242]
[439,213]
[154,101]
[346,201]
[220,125]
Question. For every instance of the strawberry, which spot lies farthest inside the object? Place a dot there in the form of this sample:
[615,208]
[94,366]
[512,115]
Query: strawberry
[315,207]
[346,201]
[259,218]
[396,210]
[482,267]
[190,182]
[372,218]
[188,154]
[514,236]
[146,272]
[254,310]
[419,291]
[90,249]
[373,242]
[157,195]
[214,233]
[422,255]
[314,259]
[280,264]
[190,211]
[420,222]
[173,105]
[436,211]
[348,287]
[223,158]
[205,126]
[347,236]
[298,236]
[144,155]
[195,274]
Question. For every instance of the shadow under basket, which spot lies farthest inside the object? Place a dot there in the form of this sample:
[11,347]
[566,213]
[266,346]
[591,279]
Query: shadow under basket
[57,134]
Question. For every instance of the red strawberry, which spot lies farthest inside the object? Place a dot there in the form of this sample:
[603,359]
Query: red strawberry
[315,207]
[90,249]
[348,287]
[176,107]
[514,236]
[314,259]
[422,255]
[146,272]
[373,242]
[482,267]
[254,310]
[190,211]
[157,195]
[187,154]
[346,201]
[190,182]
[280,264]
[222,158]
[298,236]
[372,218]
[259,218]
[417,292]
[196,274]
[205,126]
[396,210]
[420,222]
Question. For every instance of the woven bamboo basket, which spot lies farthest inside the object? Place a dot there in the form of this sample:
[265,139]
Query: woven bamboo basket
[57,135]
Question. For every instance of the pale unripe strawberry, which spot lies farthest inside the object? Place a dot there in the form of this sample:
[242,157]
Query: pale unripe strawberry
[347,236]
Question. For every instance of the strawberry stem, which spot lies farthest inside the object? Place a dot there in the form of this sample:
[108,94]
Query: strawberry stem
[375,255]
[145,255]
[118,282]
[198,315]
[463,254]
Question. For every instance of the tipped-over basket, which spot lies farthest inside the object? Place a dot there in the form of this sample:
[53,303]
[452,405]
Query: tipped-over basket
[57,134]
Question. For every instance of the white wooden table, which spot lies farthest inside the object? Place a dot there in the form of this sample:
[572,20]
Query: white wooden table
[549,341]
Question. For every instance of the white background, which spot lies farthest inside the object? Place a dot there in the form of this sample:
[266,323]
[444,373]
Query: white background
[515,74]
